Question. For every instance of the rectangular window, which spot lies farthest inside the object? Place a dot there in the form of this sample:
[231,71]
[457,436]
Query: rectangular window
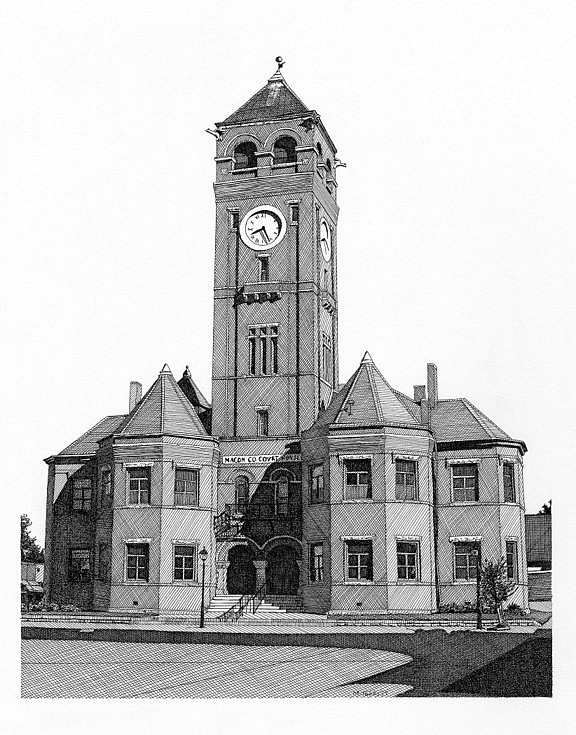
[264,268]
[317,484]
[294,213]
[262,422]
[106,487]
[465,559]
[234,220]
[273,331]
[79,565]
[317,562]
[103,562]
[82,494]
[407,553]
[406,480]
[263,350]
[509,484]
[359,560]
[327,358]
[281,491]
[137,556]
[184,563]
[186,487]
[357,479]
[464,482]
[511,560]
[252,350]
[139,480]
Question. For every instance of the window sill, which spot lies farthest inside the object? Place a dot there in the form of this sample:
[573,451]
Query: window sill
[464,502]
[185,583]
[357,500]
[244,170]
[137,582]
[359,582]
[288,164]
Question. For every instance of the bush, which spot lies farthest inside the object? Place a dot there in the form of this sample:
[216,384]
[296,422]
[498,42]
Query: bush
[514,611]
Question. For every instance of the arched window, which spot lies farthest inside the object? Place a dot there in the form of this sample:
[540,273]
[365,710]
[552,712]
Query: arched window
[242,492]
[329,167]
[281,488]
[245,156]
[319,150]
[285,150]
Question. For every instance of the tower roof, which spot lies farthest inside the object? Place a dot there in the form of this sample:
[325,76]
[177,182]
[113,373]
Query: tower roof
[163,410]
[273,102]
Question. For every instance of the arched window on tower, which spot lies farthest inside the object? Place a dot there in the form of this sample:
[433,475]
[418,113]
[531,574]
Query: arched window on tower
[281,492]
[329,168]
[242,492]
[245,156]
[285,150]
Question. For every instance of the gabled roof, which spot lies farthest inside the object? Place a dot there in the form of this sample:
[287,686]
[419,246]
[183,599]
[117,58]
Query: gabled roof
[88,443]
[163,410]
[456,419]
[273,102]
[367,398]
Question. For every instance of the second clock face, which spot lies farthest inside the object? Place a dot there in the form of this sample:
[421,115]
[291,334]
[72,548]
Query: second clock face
[325,240]
[263,228]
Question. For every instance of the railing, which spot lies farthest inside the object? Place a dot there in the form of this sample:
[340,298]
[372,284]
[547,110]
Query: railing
[246,604]
[228,523]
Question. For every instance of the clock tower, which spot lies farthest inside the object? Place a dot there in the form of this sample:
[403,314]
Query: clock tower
[275,352]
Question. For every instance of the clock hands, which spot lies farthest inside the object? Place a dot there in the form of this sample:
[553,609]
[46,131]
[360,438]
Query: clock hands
[263,233]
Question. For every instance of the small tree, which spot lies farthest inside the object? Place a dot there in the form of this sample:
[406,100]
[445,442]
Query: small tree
[495,587]
[29,549]
[546,509]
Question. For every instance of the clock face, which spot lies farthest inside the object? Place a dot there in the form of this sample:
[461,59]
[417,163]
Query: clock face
[263,228]
[325,240]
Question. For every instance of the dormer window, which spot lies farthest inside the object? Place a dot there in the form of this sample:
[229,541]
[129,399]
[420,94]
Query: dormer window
[285,150]
[245,156]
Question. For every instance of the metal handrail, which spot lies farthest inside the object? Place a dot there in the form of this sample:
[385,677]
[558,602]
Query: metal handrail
[237,610]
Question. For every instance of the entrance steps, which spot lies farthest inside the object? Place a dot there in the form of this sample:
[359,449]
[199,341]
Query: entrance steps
[220,604]
[272,613]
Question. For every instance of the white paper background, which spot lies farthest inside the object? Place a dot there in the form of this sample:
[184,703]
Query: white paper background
[456,237]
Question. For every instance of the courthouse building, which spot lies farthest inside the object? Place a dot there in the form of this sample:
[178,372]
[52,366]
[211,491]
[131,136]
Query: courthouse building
[331,497]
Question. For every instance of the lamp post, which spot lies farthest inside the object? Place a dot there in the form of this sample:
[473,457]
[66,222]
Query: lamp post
[203,556]
[478,555]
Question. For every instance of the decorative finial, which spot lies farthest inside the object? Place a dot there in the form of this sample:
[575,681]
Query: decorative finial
[280,61]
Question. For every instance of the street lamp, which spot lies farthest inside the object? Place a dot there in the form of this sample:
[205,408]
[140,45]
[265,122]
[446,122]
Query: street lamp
[478,554]
[203,556]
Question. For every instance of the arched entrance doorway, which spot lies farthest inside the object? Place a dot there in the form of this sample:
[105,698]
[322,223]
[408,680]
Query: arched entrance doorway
[282,571]
[241,577]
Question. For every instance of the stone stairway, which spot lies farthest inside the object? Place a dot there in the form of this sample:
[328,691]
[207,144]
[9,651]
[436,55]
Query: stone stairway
[221,604]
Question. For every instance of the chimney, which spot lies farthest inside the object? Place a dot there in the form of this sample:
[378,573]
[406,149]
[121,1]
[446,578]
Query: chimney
[135,394]
[419,393]
[425,412]
[432,384]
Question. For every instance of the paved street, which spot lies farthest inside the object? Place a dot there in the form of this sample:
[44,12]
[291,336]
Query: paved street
[104,669]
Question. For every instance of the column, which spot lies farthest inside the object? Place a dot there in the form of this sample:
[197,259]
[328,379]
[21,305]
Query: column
[260,565]
[221,577]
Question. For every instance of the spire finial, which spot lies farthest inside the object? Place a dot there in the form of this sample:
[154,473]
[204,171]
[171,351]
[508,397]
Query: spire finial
[280,61]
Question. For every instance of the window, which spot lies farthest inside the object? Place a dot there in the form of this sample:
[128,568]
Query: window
[407,554]
[103,562]
[326,358]
[262,422]
[137,562]
[185,563]
[509,484]
[357,478]
[464,482]
[263,349]
[79,565]
[294,214]
[139,483]
[245,156]
[242,493]
[106,487]
[281,496]
[405,480]
[82,493]
[186,487]
[359,560]
[285,150]
[465,560]
[317,484]
[264,268]
[511,560]
[317,562]
[328,167]
[234,220]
